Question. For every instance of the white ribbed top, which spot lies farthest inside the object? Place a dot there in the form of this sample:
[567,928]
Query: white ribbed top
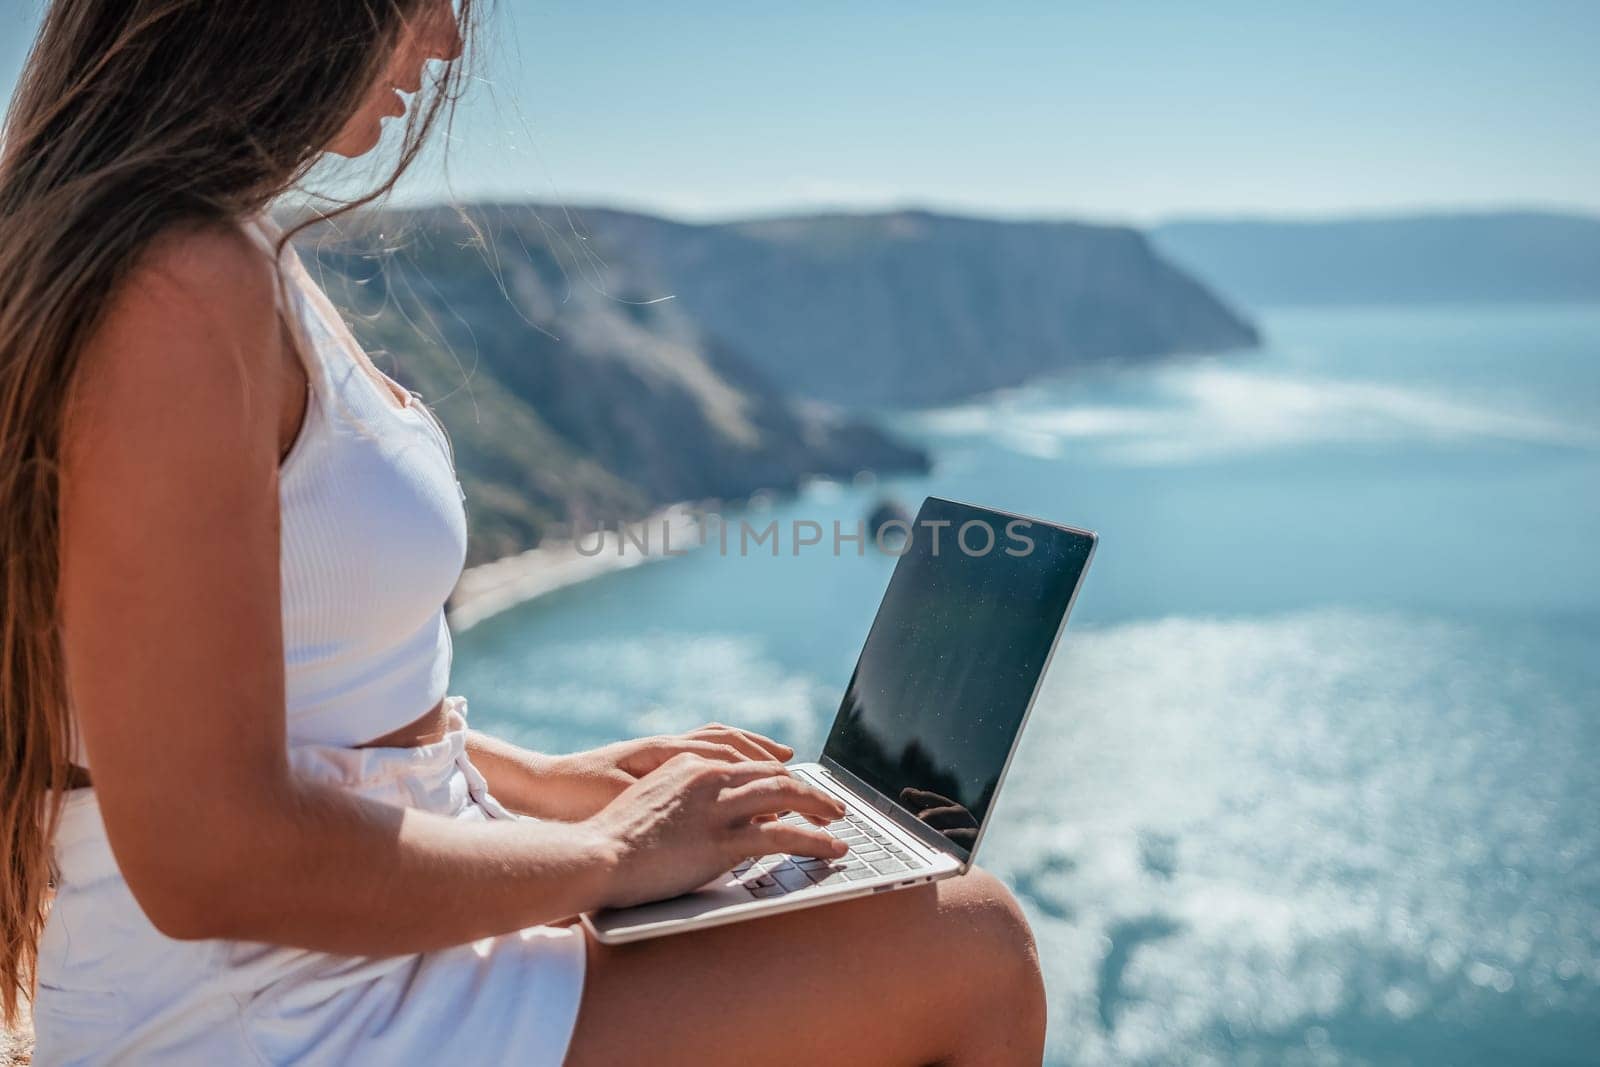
[373,538]
[373,535]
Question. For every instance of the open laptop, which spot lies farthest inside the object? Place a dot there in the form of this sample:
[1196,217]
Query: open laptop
[927,726]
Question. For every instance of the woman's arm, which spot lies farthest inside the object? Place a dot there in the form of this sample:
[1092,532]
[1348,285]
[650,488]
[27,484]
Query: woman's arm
[172,635]
[576,786]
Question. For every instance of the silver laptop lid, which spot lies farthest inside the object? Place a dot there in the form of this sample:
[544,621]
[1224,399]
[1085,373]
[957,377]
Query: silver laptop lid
[952,664]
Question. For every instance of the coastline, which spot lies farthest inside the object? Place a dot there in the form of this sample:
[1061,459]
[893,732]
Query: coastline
[491,588]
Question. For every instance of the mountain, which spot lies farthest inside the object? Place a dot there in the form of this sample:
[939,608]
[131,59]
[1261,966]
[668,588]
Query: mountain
[593,364]
[566,402]
[912,308]
[1488,257]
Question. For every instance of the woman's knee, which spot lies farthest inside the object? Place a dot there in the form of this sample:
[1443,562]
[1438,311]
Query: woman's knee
[997,933]
[969,924]
[985,903]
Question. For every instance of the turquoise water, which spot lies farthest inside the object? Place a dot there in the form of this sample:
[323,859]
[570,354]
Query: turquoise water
[1316,775]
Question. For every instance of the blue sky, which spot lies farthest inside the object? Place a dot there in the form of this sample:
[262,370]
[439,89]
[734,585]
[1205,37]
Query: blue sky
[1133,111]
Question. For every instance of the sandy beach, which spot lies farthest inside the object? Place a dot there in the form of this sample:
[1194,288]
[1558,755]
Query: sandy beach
[491,588]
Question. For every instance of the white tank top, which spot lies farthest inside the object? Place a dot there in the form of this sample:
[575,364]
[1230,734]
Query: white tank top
[373,535]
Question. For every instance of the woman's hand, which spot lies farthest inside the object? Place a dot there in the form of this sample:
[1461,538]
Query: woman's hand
[576,786]
[693,818]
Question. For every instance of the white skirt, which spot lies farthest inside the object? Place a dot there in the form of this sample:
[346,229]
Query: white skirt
[112,988]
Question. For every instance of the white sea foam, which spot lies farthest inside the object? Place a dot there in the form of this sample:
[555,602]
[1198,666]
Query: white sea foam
[1207,411]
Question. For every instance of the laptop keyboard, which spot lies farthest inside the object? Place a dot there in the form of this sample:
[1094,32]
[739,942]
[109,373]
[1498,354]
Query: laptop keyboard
[872,852]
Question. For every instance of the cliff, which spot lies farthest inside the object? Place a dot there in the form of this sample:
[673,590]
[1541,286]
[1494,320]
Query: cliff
[911,308]
[568,399]
[596,363]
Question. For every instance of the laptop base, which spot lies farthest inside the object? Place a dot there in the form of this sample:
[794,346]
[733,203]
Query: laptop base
[882,859]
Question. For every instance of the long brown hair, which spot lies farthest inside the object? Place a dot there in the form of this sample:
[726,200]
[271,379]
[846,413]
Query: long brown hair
[130,117]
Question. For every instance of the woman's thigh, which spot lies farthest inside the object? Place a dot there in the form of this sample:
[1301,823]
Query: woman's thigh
[903,977]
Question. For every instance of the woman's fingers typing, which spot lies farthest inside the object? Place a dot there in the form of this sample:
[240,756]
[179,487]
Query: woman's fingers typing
[754,806]
[693,817]
[711,750]
[729,775]
[769,838]
[779,793]
[778,749]
[756,746]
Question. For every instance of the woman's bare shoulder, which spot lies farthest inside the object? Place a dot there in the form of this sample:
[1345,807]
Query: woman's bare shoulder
[207,276]
[212,257]
[192,327]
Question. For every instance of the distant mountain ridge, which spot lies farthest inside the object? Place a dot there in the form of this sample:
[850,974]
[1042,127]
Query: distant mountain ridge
[1484,257]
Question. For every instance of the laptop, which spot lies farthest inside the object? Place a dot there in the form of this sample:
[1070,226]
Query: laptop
[927,726]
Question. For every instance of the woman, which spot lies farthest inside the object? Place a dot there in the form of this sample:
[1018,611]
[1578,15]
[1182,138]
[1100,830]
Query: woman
[242,822]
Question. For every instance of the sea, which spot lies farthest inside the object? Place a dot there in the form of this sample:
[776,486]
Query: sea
[1315,775]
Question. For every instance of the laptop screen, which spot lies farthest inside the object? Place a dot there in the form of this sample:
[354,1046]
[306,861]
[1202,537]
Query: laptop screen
[952,660]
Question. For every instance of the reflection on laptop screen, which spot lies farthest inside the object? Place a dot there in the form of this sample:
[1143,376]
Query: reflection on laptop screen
[952,660]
